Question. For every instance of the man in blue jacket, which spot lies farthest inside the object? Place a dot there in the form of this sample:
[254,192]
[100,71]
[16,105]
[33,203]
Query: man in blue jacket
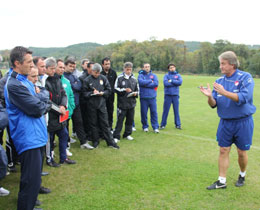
[233,96]
[171,82]
[25,112]
[148,83]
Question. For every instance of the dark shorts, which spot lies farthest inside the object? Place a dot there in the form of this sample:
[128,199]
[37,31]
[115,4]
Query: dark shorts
[237,131]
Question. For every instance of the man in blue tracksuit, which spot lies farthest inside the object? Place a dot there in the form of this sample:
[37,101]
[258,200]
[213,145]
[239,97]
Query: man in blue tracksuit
[148,83]
[25,111]
[233,97]
[171,82]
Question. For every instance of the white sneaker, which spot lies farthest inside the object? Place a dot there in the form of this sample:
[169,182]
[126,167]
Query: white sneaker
[4,192]
[74,135]
[116,140]
[86,146]
[68,153]
[156,131]
[130,138]
[133,129]
[72,140]
[146,129]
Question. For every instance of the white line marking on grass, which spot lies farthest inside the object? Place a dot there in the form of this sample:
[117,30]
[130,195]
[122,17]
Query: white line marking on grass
[204,139]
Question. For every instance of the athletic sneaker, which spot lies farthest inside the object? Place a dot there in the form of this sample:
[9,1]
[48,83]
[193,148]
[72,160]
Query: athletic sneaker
[72,140]
[12,168]
[74,135]
[241,181]
[86,146]
[162,127]
[116,140]
[130,138]
[178,127]
[156,131]
[146,129]
[68,153]
[133,129]
[114,146]
[217,185]
[4,192]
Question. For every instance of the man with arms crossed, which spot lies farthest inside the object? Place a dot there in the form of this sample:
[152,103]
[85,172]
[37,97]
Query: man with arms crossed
[233,96]
[25,112]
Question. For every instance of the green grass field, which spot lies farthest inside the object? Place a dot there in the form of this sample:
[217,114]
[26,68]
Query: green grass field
[170,170]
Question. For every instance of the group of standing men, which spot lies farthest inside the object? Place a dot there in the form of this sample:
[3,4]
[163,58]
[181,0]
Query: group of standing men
[56,92]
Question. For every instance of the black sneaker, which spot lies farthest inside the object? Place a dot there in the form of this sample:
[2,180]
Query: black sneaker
[53,164]
[217,185]
[44,190]
[240,182]
[95,144]
[68,161]
[114,146]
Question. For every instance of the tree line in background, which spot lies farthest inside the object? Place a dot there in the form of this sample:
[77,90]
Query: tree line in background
[189,57]
[159,54]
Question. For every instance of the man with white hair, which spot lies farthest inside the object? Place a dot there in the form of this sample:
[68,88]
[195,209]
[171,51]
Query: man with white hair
[59,98]
[96,89]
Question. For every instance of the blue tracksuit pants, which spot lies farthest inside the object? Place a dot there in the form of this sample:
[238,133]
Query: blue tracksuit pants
[168,100]
[145,104]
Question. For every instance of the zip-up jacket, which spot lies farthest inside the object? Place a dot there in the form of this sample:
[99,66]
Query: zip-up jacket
[122,82]
[25,111]
[171,82]
[57,96]
[242,84]
[148,84]
[102,85]
[75,85]
[71,100]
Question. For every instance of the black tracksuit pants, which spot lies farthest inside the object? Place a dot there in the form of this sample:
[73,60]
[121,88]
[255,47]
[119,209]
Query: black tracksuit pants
[99,121]
[78,125]
[128,116]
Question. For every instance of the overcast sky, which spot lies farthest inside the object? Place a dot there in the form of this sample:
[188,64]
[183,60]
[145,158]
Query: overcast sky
[59,23]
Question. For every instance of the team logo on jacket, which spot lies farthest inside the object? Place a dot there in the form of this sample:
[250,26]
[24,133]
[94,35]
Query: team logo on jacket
[151,76]
[176,77]
[123,83]
[101,82]
[236,83]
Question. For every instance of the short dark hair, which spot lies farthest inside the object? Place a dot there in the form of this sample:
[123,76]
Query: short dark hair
[90,63]
[105,59]
[18,53]
[70,59]
[59,60]
[171,64]
[36,59]
[145,63]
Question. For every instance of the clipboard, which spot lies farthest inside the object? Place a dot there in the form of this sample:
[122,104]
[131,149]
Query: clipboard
[131,94]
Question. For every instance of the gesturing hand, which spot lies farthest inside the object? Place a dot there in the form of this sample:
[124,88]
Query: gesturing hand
[206,91]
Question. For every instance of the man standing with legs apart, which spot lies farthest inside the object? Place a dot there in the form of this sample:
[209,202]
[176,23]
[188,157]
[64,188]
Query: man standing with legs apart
[233,96]
[171,82]
[126,88]
[95,89]
[25,112]
[148,83]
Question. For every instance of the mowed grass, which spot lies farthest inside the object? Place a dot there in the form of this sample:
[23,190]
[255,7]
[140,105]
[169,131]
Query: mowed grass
[170,170]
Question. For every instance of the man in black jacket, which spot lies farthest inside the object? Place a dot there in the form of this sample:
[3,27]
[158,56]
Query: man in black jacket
[95,89]
[126,88]
[87,69]
[58,96]
[111,76]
